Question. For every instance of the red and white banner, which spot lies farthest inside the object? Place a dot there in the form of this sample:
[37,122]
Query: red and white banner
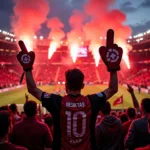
[118,101]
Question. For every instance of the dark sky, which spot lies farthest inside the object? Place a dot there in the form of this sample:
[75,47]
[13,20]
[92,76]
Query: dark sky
[137,12]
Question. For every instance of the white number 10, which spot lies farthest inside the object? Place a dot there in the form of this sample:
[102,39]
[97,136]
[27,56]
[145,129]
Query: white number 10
[74,126]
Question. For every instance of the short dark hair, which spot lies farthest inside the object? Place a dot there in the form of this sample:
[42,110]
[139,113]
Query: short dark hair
[131,113]
[30,108]
[106,109]
[5,121]
[113,113]
[123,118]
[74,79]
[48,120]
[6,108]
[13,108]
[146,104]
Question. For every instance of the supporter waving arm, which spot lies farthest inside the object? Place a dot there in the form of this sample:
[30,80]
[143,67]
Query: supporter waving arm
[113,85]
[32,88]
[26,59]
[111,56]
[134,99]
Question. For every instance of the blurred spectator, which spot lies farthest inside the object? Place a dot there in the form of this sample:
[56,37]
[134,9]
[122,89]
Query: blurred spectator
[5,129]
[131,116]
[138,134]
[113,113]
[13,108]
[109,131]
[30,132]
[123,118]
[49,121]
[4,108]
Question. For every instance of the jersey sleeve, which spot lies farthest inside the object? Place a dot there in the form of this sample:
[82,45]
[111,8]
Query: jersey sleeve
[51,102]
[97,101]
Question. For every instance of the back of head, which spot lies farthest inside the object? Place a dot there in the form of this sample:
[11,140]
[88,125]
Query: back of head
[48,120]
[131,113]
[113,113]
[106,109]
[123,118]
[6,108]
[146,105]
[74,79]
[5,121]
[30,108]
[13,108]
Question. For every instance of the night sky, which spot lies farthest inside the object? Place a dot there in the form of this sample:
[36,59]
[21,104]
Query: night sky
[137,12]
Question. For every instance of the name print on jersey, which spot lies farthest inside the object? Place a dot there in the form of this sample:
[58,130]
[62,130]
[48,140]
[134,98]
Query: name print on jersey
[74,105]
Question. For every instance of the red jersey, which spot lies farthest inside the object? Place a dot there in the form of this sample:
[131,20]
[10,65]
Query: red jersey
[75,123]
[9,146]
[74,118]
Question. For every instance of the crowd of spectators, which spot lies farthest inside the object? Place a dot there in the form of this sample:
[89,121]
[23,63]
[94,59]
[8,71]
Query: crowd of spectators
[142,79]
[8,78]
[129,129]
[52,74]
[10,75]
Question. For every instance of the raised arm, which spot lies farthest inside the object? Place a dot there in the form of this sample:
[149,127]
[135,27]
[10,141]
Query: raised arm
[111,56]
[134,99]
[32,88]
[26,59]
[113,85]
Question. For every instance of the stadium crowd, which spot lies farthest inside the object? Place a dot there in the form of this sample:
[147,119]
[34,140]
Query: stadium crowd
[129,129]
[10,75]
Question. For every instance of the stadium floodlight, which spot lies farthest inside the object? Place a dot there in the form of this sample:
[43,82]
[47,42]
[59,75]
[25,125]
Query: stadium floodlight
[105,38]
[101,38]
[7,38]
[58,82]
[138,40]
[63,82]
[4,32]
[140,34]
[35,37]
[82,43]
[61,42]
[148,32]
[41,37]
[128,41]
[144,33]
[141,39]
[0,30]
[130,37]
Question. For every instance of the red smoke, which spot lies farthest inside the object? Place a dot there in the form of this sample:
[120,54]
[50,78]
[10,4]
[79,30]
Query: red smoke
[56,34]
[28,17]
[101,18]
[76,36]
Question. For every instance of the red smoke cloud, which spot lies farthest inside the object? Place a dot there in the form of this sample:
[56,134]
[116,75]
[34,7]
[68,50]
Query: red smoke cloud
[101,18]
[56,34]
[28,17]
[76,36]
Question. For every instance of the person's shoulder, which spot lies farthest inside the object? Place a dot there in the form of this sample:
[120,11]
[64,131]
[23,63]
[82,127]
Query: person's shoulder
[42,125]
[127,123]
[50,95]
[18,123]
[15,147]
[139,121]
[21,148]
[96,95]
